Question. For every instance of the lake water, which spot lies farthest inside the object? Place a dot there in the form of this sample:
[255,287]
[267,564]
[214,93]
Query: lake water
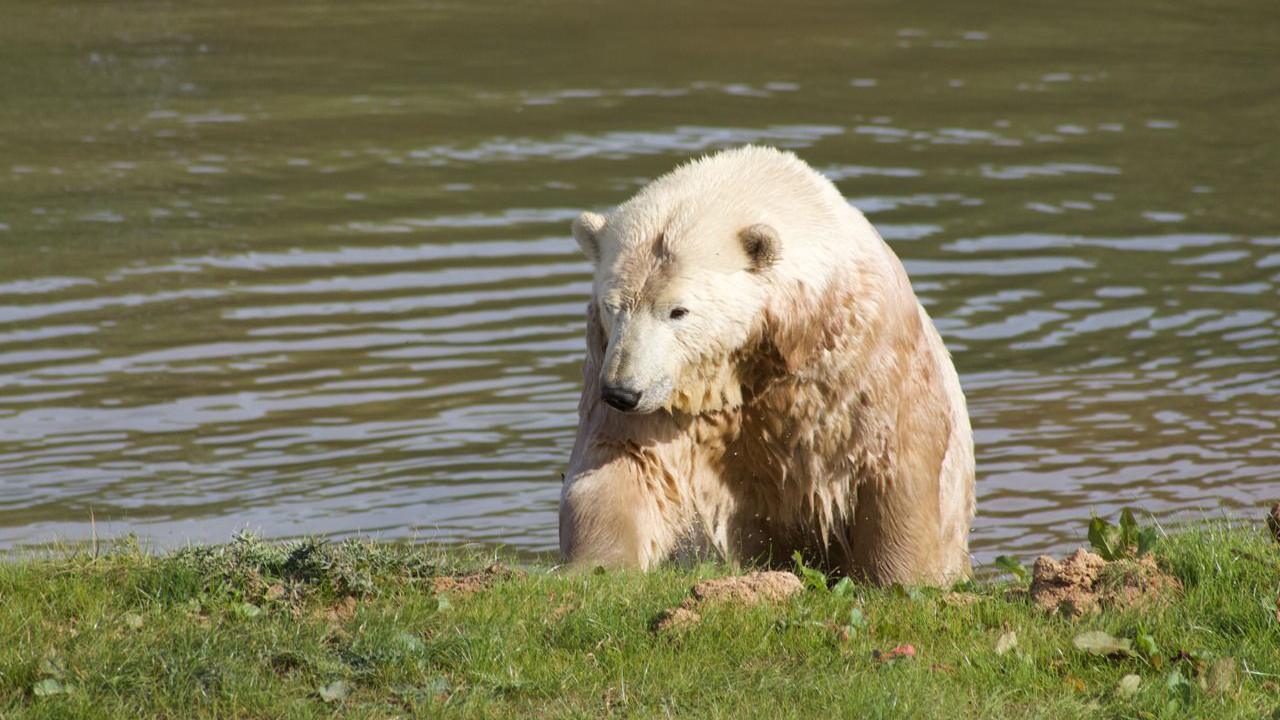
[306,267]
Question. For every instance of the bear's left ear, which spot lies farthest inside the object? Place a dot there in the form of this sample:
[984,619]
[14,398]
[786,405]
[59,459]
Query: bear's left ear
[762,245]
[586,230]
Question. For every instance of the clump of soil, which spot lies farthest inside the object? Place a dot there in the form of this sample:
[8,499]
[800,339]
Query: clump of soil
[1084,583]
[676,619]
[747,589]
[1067,586]
[750,589]
[476,581]
[339,612]
[961,599]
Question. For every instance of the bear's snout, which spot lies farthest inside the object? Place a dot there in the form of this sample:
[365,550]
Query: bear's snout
[620,398]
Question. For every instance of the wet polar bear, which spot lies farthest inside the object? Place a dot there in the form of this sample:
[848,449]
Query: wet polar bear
[761,379]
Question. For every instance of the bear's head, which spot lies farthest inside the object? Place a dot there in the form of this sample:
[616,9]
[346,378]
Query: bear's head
[677,292]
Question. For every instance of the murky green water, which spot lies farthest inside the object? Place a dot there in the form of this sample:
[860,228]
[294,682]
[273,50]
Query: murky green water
[305,267]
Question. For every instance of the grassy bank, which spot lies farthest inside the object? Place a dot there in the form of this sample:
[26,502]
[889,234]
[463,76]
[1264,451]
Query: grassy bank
[376,630]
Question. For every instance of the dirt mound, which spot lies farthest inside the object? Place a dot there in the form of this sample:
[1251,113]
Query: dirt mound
[751,589]
[339,612]
[1067,586]
[676,619]
[1084,583]
[748,589]
[961,599]
[474,582]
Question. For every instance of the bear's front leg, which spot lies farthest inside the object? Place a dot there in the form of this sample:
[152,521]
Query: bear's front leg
[617,508]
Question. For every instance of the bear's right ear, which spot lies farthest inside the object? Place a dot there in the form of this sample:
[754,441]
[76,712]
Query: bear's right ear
[586,230]
[762,245]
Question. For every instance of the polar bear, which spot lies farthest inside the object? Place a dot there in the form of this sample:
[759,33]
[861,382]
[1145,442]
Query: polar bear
[760,379]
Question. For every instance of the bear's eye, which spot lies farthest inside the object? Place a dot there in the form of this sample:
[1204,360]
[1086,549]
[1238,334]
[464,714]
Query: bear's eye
[678,313]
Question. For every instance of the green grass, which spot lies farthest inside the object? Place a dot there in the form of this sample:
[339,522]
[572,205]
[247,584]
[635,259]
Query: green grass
[246,631]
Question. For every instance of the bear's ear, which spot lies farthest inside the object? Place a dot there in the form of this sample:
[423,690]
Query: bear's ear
[762,245]
[586,230]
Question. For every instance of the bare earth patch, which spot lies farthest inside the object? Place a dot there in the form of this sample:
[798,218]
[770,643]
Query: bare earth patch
[476,581]
[676,619]
[750,589]
[961,599]
[339,612]
[1084,583]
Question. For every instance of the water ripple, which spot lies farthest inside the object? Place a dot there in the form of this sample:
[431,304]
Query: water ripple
[317,277]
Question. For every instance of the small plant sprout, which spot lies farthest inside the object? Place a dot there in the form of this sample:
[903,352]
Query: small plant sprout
[1010,564]
[1127,540]
[813,579]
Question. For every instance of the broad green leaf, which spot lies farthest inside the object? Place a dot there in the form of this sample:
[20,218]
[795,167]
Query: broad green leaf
[1146,645]
[1128,530]
[1011,565]
[1147,538]
[1179,686]
[906,593]
[1006,642]
[410,642]
[856,619]
[52,666]
[1105,538]
[442,603]
[336,691]
[47,687]
[1221,676]
[1128,686]
[246,610]
[409,693]
[437,685]
[1101,643]
[133,621]
[430,690]
[844,587]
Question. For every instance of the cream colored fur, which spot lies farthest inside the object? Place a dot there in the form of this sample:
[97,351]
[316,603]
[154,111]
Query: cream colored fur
[803,401]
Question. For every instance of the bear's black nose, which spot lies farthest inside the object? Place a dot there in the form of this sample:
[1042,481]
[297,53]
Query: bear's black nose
[620,398]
